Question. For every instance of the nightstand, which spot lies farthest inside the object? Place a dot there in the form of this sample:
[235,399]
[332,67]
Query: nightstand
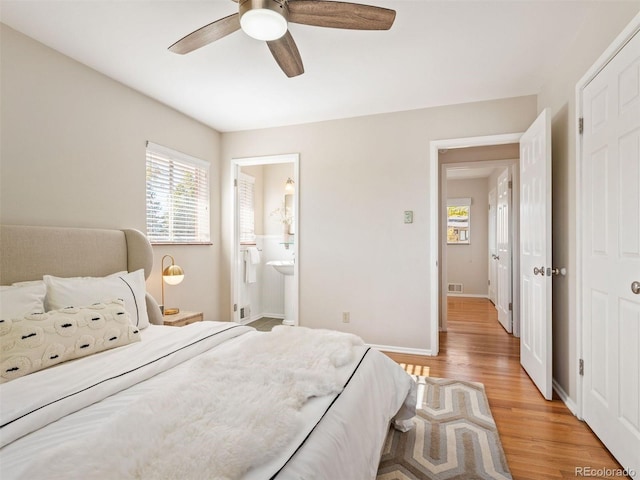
[183,318]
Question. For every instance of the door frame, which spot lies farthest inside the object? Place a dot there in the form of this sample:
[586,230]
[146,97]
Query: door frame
[236,163]
[438,308]
[632,29]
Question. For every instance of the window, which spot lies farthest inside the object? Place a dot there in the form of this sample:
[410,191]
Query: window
[177,197]
[458,221]
[246,189]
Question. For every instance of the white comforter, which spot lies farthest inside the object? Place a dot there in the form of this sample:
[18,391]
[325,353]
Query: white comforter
[241,395]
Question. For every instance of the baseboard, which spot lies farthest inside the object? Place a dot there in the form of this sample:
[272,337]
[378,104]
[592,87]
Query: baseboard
[571,405]
[471,295]
[394,349]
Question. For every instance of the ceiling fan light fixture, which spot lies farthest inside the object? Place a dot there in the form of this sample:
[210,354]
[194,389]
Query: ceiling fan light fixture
[263,19]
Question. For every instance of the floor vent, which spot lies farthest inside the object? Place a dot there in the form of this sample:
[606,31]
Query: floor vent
[455,288]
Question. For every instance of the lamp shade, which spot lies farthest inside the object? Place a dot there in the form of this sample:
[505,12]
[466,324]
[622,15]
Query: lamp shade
[173,275]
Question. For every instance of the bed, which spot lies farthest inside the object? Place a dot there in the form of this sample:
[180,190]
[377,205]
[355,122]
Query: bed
[211,400]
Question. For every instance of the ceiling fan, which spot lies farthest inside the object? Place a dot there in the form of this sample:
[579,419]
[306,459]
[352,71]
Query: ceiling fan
[267,20]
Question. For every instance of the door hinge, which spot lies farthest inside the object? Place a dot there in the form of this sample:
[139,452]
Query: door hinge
[235,307]
[510,306]
[510,184]
[488,282]
[235,182]
[581,367]
[580,125]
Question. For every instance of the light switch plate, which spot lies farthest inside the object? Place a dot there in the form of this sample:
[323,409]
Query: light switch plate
[408,216]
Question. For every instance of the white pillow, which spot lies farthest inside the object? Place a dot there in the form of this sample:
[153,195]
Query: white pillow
[76,291]
[17,301]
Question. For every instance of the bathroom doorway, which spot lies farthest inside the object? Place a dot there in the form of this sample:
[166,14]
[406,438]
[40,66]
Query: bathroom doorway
[265,268]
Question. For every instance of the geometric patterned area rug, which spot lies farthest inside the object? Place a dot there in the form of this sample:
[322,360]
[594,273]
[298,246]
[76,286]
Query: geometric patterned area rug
[455,436]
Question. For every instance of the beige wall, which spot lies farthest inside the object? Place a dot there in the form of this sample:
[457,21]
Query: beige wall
[73,154]
[357,176]
[559,95]
[468,264]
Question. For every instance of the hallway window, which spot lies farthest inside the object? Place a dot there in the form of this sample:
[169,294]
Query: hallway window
[177,197]
[459,221]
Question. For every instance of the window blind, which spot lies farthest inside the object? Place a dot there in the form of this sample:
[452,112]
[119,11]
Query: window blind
[177,197]
[247,217]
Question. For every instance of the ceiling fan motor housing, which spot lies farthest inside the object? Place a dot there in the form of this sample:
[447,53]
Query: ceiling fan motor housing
[254,12]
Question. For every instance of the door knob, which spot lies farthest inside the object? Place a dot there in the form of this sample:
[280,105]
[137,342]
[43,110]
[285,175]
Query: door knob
[635,287]
[537,271]
[556,271]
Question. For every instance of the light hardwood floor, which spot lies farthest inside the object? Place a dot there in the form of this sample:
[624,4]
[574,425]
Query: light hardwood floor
[542,439]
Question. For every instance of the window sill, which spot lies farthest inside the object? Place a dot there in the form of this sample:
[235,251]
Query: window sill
[181,243]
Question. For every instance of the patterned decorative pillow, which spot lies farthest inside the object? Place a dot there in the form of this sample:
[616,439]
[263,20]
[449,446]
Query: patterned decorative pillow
[41,340]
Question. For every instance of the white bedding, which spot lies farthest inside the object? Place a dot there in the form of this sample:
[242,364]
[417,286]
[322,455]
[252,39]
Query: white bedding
[338,435]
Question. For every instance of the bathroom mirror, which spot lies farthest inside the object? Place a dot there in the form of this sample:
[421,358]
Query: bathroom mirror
[290,212]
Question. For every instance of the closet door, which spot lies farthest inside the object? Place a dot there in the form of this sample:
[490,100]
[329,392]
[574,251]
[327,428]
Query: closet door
[610,166]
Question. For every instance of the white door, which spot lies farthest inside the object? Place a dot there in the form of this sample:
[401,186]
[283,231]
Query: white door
[503,255]
[611,255]
[535,253]
[493,246]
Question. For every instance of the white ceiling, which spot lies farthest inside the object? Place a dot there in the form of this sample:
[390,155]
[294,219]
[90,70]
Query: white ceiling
[436,53]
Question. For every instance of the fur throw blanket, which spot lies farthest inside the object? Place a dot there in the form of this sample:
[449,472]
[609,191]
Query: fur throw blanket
[229,410]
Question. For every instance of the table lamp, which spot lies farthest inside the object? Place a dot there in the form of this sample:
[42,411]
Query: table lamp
[172,275]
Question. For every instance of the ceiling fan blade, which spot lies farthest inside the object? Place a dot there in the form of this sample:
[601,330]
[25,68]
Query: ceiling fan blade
[286,53]
[324,13]
[207,34]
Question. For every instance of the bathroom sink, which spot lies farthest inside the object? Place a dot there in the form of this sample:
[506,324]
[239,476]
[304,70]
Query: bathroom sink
[285,267]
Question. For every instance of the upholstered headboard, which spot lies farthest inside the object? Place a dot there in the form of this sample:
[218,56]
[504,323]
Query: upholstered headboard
[28,253]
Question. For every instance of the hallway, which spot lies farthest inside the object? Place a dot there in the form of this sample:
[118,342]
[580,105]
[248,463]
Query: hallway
[541,439]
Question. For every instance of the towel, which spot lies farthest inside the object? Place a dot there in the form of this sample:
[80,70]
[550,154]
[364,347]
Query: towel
[254,255]
[251,259]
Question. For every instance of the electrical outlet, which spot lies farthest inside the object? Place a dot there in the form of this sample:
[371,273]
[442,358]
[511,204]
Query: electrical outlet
[408,216]
[242,313]
[346,317]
